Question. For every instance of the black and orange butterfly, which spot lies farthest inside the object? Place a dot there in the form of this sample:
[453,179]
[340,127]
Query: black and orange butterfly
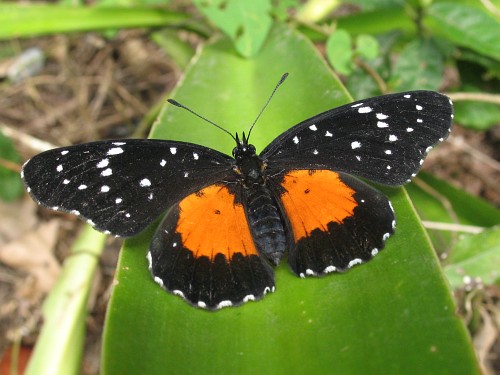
[229,219]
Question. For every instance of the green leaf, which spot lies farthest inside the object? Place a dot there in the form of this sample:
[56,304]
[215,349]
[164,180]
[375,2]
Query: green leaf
[477,115]
[466,26]
[11,186]
[247,23]
[475,257]
[339,51]
[394,315]
[38,19]
[367,46]
[419,67]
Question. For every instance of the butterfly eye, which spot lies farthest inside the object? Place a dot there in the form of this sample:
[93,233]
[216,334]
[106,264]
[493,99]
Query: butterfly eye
[235,152]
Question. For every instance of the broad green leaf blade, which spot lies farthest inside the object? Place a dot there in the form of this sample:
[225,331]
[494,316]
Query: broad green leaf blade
[466,26]
[394,315]
[475,258]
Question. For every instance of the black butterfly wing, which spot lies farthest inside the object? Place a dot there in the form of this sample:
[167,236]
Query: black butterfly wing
[384,139]
[121,186]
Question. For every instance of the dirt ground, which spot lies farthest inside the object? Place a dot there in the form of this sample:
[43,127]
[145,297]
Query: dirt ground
[91,88]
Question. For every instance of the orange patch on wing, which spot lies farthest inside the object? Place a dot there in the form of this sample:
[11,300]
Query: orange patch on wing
[315,198]
[210,222]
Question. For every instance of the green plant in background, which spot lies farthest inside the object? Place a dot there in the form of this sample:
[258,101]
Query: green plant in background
[393,315]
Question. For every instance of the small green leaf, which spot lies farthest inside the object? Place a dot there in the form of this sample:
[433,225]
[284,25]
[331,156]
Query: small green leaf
[419,67]
[466,26]
[11,186]
[477,115]
[475,256]
[281,8]
[339,51]
[367,46]
[247,23]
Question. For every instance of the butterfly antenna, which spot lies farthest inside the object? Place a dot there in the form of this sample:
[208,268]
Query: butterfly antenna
[177,104]
[282,79]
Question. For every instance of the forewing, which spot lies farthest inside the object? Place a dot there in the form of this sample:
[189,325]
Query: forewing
[203,251]
[120,187]
[337,221]
[384,139]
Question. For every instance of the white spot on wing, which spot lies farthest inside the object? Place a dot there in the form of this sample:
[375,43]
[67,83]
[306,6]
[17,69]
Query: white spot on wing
[250,297]
[407,96]
[388,152]
[409,130]
[186,174]
[225,303]
[393,138]
[104,188]
[328,134]
[419,120]
[358,157]
[374,252]
[118,200]
[107,172]
[82,187]
[385,236]
[115,151]
[177,292]
[356,105]
[145,182]
[103,163]
[173,150]
[118,143]
[150,260]
[160,282]
[381,116]
[382,124]
[66,181]
[296,140]
[365,110]
[163,162]
[202,304]
[64,152]
[315,152]
[354,262]
[418,107]
[195,156]
[355,145]
[59,168]
[329,269]
[313,127]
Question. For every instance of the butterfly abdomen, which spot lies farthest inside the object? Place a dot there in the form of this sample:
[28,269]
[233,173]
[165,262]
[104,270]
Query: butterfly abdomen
[265,222]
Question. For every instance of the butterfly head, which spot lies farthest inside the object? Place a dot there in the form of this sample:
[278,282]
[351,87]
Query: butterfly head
[249,166]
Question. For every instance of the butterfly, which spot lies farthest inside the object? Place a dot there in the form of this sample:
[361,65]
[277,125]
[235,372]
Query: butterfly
[229,220]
